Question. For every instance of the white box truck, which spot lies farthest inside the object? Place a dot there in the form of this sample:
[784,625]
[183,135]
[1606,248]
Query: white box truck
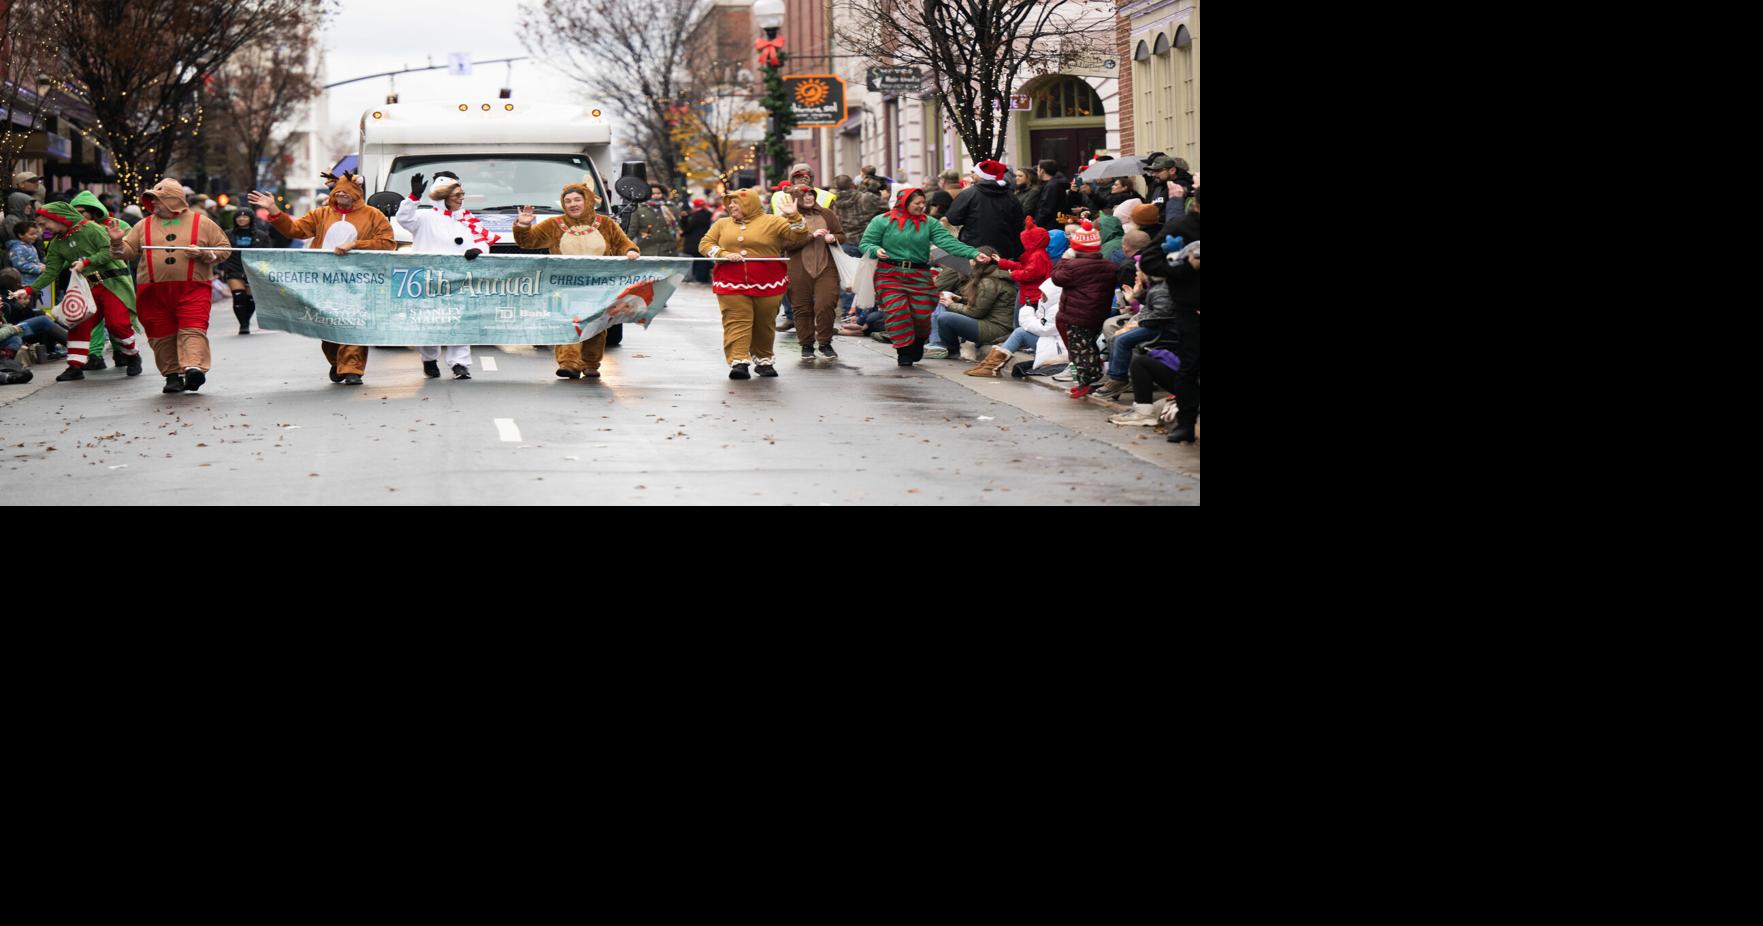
[507,155]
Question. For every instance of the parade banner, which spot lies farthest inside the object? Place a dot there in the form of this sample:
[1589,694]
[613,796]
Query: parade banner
[395,298]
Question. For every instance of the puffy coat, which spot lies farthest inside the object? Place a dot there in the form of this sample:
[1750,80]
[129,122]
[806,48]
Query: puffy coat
[993,307]
[1036,265]
[988,215]
[1040,319]
[1088,284]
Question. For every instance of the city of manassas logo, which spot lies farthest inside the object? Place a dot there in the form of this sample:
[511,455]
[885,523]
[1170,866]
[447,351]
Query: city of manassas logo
[334,316]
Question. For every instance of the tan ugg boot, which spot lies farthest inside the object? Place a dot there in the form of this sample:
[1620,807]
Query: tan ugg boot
[993,365]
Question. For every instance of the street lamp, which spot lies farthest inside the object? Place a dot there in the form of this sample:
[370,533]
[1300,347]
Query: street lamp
[769,15]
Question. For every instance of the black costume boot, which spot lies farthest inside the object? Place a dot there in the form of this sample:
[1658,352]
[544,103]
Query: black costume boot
[193,379]
[174,383]
[70,374]
[243,308]
[431,369]
[132,363]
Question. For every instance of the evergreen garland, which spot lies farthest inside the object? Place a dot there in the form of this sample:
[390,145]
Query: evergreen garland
[777,102]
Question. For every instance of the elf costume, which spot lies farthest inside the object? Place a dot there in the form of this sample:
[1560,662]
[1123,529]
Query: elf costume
[99,338]
[905,290]
[175,286]
[590,235]
[84,246]
[748,293]
[372,233]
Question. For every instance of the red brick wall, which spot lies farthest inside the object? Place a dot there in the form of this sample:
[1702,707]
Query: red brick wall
[1123,51]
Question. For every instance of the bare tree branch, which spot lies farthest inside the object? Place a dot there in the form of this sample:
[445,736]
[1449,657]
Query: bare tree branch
[975,51]
[626,53]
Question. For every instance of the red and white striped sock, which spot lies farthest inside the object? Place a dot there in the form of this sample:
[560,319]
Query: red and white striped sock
[77,351]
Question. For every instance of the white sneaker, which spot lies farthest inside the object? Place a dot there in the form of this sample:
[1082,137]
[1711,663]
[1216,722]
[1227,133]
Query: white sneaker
[936,353]
[1141,416]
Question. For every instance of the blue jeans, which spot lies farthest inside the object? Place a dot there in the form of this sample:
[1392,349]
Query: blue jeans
[1021,339]
[34,328]
[952,327]
[936,328]
[1120,352]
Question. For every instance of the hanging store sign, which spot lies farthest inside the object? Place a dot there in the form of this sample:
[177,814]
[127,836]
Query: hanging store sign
[818,100]
[891,79]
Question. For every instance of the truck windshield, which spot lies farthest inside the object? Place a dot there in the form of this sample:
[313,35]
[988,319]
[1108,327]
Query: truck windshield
[503,183]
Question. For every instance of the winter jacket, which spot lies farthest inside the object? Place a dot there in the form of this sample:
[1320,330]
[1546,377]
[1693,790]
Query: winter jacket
[909,243]
[1030,199]
[994,307]
[1054,193]
[1035,268]
[1041,320]
[1113,238]
[988,215]
[849,206]
[1157,305]
[1088,284]
[693,227]
[255,235]
[24,258]
[561,234]
[1186,227]
[1184,290]
[654,229]
[949,281]
[88,242]
[872,205]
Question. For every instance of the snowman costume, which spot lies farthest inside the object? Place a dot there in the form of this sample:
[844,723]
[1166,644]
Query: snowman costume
[444,231]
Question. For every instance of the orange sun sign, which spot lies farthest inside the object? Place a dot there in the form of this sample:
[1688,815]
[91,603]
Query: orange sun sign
[812,92]
[818,100]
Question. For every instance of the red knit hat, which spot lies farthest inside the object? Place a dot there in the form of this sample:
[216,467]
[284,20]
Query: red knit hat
[990,170]
[1085,238]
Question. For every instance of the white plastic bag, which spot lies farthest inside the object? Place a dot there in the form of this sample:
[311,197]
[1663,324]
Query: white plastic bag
[848,267]
[864,288]
[76,304]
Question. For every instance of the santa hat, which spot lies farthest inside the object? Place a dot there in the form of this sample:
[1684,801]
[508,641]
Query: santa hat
[1085,239]
[990,170]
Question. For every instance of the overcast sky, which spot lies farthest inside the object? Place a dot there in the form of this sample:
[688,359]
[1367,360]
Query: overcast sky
[371,36]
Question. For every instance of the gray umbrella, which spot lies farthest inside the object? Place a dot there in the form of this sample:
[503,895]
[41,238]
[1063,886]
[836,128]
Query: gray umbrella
[1108,170]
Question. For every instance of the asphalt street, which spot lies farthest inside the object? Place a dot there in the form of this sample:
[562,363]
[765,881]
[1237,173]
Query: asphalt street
[663,426]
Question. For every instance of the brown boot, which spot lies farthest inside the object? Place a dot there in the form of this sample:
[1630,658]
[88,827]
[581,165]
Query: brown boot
[993,365]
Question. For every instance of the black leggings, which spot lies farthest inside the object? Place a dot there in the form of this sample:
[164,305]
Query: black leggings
[1148,371]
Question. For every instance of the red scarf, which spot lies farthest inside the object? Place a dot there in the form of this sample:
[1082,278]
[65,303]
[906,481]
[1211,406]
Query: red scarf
[464,217]
[899,213]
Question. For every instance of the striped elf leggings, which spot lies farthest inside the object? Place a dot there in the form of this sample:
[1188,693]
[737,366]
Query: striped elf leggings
[113,313]
[906,298]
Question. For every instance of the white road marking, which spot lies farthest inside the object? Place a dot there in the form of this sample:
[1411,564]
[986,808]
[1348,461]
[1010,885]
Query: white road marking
[489,364]
[506,428]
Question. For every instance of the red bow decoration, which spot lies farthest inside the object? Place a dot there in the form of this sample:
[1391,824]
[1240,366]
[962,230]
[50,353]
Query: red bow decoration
[768,50]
